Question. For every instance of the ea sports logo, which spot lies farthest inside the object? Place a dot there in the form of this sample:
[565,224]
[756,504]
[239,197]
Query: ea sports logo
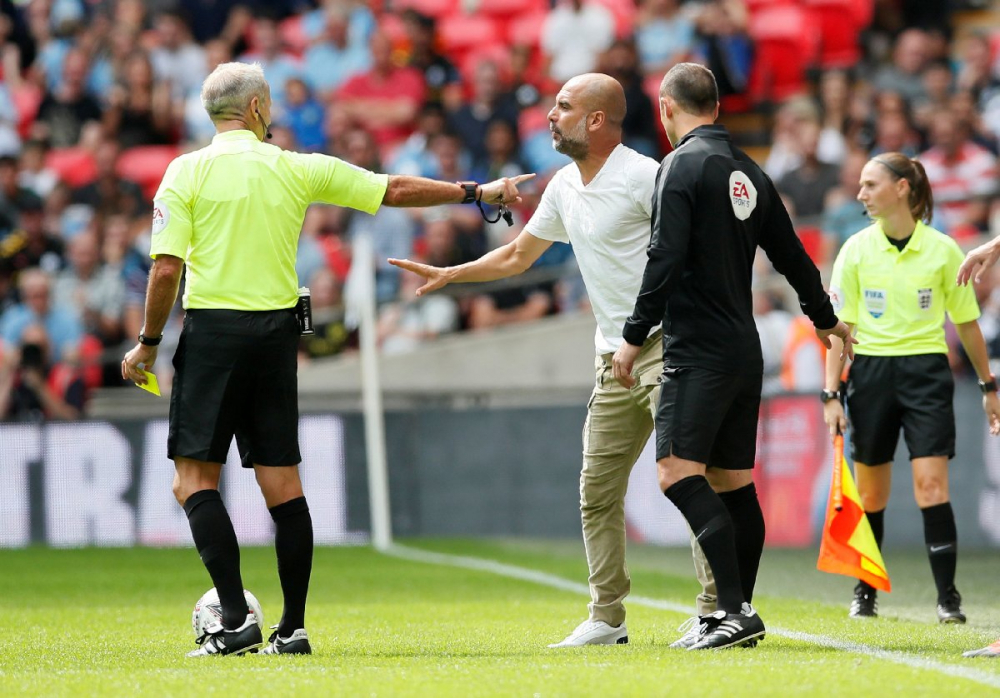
[161,216]
[743,195]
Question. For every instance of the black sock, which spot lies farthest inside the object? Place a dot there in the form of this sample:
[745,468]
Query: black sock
[941,537]
[877,521]
[293,543]
[712,526]
[748,528]
[215,539]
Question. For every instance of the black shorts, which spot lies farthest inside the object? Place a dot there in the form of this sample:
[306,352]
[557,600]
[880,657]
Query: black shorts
[235,374]
[916,393]
[709,417]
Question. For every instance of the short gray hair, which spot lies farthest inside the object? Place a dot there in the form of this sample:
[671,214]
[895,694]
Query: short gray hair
[227,91]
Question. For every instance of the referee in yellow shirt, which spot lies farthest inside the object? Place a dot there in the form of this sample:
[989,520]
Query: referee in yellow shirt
[232,212]
[894,281]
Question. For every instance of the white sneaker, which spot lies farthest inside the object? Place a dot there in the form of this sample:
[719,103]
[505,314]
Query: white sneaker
[595,632]
[693,629]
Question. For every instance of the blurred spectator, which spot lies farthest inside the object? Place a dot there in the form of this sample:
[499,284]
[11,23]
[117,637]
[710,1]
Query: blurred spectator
[384,100]
[331,334]
[772,322]
[31,244]
[938,82]
[441,248]
[13,196]
[411,320]
[489,103]
[390,230]
[502,159]
[440,75]
[278,65]
[895,133]
[723,44]
[844,215]
[110,59]
[177,60]
[574,34]
[454,165]
[303,116]
[33,390]
[10,141]
[909,57]
[109,192]
[962,175]
[94,292]
[36,308]
[794,118]
[336,54]
[198,126]
[976,71]
[360,26]
[808,184]
[664,36]
[65,112]
[508,306]
[639,130]
[414,157]
[139,110]
[35,174]
[834,106]
[981,131]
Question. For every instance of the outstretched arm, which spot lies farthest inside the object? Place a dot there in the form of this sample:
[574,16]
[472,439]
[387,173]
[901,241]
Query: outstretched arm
[404,190]
[513,258]
[978,261]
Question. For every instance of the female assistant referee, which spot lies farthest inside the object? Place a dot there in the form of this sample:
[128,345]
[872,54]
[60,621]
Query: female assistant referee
[893,281]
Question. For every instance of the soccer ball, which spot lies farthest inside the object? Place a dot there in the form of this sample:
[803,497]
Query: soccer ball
[207,615]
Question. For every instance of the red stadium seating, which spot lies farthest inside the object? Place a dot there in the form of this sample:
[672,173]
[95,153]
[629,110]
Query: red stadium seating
[513,8]
[526,30]
[437,9]
[145,165]
[293,35]
[75,166]
[786,44]
[624,12]
[839,28]
[498,53]
[459,33]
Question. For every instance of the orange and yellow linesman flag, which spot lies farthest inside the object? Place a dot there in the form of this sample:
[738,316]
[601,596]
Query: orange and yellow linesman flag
[848,545]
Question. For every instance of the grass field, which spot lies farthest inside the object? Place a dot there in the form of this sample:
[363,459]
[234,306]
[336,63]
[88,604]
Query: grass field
[116,622]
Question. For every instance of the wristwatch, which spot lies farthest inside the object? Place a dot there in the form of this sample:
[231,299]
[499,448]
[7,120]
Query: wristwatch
[150,341]
[827,395]
[989,386]
[470,191]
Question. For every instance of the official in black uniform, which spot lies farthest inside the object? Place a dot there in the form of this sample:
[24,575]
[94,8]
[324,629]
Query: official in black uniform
[712,207]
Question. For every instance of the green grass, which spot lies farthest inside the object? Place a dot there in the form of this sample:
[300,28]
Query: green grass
[116,622]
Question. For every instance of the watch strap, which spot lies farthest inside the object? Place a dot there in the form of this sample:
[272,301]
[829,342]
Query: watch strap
[150,341]
[470,191]
[989,386]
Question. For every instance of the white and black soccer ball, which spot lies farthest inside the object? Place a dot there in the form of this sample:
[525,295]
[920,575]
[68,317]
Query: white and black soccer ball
[207,615]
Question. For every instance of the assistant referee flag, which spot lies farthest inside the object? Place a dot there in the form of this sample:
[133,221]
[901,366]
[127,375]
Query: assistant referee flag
[848,546]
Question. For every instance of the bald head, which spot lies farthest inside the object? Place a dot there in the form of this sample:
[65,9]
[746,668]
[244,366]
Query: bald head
[599,92]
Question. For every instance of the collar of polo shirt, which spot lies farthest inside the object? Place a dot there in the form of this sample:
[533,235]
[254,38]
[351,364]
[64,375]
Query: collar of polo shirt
[241,134]
[914,243]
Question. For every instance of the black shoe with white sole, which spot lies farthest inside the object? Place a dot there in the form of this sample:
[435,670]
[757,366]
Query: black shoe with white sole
[723,630]
[865,602]
[246,638]
[949,609]
[296,643]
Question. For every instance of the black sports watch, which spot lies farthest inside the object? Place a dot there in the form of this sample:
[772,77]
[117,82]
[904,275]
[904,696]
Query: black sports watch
[989,386]
[827,395]
[470,191]
[150,341]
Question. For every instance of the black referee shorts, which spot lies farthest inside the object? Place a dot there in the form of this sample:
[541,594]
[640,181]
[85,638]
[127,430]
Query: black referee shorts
[235,374]
[915,393]
[709,417]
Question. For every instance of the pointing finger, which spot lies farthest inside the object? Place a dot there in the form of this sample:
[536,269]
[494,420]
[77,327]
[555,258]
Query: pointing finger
[517,179]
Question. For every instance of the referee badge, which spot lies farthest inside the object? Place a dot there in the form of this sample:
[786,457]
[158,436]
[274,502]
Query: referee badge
[925,298]
[161,216]
[875,302]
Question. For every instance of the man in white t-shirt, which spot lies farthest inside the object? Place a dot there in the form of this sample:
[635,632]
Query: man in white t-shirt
[602,205]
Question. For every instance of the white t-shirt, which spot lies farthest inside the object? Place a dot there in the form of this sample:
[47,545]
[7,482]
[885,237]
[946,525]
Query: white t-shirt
[607,222]
[574,40]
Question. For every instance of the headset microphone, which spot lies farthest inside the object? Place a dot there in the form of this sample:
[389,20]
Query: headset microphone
[267,126]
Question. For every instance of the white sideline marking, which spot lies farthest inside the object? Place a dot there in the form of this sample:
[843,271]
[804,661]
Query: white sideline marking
[551,580]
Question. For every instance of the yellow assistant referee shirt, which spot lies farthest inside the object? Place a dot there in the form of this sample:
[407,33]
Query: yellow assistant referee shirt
[233,212]
[897,300]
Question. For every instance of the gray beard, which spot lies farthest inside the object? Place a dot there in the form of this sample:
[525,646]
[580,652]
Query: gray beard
[575,150]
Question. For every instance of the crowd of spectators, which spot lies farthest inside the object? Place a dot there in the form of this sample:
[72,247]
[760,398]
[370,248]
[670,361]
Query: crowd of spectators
[97,96]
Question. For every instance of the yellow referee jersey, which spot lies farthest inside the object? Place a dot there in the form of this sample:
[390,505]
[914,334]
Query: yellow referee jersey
[233,212]
[897,300]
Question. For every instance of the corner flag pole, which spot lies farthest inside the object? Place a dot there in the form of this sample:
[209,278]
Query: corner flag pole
[371,393]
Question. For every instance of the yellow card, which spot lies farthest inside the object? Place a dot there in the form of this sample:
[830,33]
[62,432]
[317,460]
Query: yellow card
[152,385]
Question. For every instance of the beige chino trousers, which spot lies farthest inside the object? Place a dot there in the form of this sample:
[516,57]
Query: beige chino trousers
[619,423]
